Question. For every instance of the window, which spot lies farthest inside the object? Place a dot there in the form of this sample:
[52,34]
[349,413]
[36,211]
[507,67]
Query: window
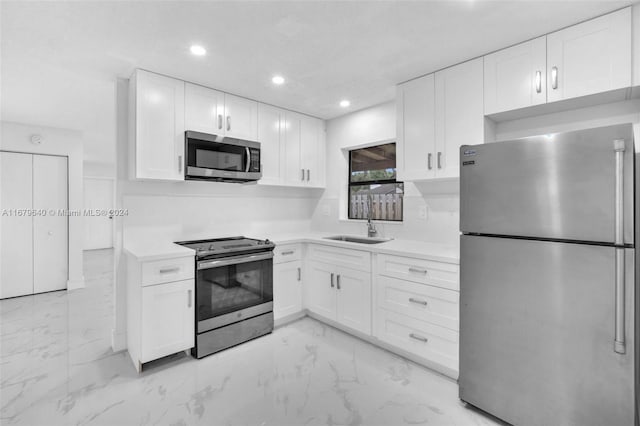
[373,188]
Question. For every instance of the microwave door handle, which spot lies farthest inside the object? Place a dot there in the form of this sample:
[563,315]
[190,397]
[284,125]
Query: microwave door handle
[248,151]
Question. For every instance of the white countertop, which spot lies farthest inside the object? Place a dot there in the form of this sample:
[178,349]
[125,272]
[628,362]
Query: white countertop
[148,250]
[410,248]
[156,250]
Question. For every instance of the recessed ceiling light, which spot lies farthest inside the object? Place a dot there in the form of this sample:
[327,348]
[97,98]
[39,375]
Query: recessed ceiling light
[278,80]
[344,103]
[198,50]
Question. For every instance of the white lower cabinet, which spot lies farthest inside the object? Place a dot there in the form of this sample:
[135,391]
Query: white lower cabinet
[353,299]
[287,289]
[437,345]
[160,308]
[340,294]
[320,289]
[167,319]
[417,310]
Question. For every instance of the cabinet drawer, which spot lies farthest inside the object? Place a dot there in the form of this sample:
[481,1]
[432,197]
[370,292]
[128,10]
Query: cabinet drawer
[439,274]
[423,302]
[431,342]
[354,259]
[287,253]
[167,270]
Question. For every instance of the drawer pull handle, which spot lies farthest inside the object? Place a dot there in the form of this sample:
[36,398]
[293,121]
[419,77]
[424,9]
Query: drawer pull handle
[338,281]
[285,253]
[331,280]
[169,270]
[299,274]
[418,301]
[189,298]
[418,337]
[417,270]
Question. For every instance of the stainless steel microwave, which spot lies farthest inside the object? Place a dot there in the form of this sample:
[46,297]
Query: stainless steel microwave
[221,159]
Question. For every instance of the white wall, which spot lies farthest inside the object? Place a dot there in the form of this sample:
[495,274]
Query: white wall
[16,137]
[440,199]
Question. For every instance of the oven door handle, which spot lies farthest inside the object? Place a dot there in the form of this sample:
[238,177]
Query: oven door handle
[226,261]
[248,151]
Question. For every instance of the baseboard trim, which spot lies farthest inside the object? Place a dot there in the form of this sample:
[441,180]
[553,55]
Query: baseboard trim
[75,284]
[289,319]
[118,341]
[439,369]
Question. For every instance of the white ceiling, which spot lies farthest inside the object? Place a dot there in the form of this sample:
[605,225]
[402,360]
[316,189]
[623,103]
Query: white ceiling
[60,59]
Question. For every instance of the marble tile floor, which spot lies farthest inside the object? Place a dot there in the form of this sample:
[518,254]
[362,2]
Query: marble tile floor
[57,368]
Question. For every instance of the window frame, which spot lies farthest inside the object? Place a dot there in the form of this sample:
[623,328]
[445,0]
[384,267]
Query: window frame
[373,182]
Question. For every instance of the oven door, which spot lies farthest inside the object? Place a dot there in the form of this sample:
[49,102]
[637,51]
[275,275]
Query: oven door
[216,157]
[232,289]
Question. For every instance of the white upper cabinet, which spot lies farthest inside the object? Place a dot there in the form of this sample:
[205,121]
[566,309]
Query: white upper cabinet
[302,148]
[157,126]
[271,122]
[591,57]
[436,114]
[458,114]
[516,77]
[217,113]
[415,129]
[294,173]
[204,109]
[312,149]
[241,118]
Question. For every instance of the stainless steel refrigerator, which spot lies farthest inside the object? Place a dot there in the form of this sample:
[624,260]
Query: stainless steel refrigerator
[548,296]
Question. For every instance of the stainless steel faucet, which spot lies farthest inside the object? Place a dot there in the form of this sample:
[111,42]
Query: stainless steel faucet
[371,228]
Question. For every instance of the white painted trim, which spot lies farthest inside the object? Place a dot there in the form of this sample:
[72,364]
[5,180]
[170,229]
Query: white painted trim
[118,341]
[75,284]
[369,144]
[438,368]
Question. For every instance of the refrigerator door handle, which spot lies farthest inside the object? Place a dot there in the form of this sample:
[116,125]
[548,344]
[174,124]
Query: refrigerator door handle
[619,345]
[619,342]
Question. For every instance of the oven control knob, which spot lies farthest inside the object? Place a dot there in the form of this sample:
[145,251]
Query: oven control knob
[267,241]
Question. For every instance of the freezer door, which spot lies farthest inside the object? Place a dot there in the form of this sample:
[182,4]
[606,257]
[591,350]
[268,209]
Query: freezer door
[560,186]
[537,327]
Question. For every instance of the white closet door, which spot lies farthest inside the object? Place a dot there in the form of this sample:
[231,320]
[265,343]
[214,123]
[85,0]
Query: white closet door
[16,242]
[50,231]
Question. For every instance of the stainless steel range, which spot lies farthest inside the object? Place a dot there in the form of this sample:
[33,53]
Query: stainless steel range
[234,292]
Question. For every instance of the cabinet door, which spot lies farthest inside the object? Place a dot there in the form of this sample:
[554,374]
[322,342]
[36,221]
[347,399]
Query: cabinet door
[591,57]
[204,109]
[168,322]
[354,299]
[294,172]
[312,150]
[16,244]
[159,122]
[271,138]
[459,114]
[287,289]
[241,118]
[516,77]
[416,129]
[50,232]
[320,290]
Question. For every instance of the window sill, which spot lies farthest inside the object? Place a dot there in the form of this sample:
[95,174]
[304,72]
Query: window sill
[384,222]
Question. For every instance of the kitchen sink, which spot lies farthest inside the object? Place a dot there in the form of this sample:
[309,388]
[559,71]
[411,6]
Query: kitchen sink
[360,240]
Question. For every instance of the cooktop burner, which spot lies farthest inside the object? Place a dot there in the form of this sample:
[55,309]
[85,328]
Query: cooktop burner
[226,245]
